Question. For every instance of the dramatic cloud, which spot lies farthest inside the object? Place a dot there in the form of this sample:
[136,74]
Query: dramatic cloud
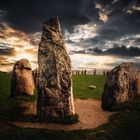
[103,15]
[28,15]
[15,45]
[2,14]
[122,51]
[95,31]
[6,51]
[120,23]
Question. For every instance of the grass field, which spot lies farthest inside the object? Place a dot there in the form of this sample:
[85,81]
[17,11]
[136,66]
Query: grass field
[80,86]
[124,125]
[81,89]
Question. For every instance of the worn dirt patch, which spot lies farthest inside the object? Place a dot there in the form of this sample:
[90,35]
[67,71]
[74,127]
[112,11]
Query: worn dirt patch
[90,114]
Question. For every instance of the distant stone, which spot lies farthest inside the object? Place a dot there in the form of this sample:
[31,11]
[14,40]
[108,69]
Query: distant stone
[22,80]
[92,86]
[55,97]
[138,84]
[122,85]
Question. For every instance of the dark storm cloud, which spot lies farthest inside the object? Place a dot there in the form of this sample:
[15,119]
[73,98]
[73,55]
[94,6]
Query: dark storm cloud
[120,26]
[118,19]
[4,50]
[137,41]
[123,20]
[2,14]
[122,51]
[28,15]
[88,10]
[89,42]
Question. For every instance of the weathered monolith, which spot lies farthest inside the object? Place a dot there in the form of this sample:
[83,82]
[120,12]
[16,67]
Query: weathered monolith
[22,82]
[55,97]
[122,85]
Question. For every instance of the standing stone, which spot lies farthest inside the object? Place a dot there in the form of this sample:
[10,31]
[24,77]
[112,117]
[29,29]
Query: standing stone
[121,85]
[138,84]
[22,82]
[55,98]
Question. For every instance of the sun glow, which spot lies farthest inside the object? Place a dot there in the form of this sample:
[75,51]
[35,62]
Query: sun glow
[25,55]
[19,45]
[84,61]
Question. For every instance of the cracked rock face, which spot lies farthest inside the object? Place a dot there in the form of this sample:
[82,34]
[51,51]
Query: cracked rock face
[22,82]
[55,98]
[122,84]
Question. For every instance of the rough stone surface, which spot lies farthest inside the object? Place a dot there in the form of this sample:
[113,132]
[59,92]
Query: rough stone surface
[22,80]
[35,76]
[138,84]
[55,98]
[122,84]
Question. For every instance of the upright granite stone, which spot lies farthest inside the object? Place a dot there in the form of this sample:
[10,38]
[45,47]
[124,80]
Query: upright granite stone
[122,85]
[22,82]
[138,84]
[55,97]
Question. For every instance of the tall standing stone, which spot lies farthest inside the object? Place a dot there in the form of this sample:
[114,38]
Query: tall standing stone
[122,85]
[55,97]
[22,82]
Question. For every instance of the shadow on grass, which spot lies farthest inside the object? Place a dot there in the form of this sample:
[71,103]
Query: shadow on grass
[124,125]
[13,110]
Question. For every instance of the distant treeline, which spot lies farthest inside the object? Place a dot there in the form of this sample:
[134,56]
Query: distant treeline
[90,72]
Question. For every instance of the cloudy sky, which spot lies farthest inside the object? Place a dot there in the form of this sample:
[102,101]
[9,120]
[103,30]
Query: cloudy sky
[98,33]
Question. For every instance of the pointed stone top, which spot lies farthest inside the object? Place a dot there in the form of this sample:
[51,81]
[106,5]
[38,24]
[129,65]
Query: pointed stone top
[52,31]
[53,23]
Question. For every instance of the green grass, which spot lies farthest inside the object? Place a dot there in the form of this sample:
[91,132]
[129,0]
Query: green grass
[80,86]
[10,109]
[5,88]
[5,85]
[124,125]
[81,89]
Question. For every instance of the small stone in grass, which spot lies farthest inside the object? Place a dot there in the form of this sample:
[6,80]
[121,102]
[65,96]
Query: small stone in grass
[92,86]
